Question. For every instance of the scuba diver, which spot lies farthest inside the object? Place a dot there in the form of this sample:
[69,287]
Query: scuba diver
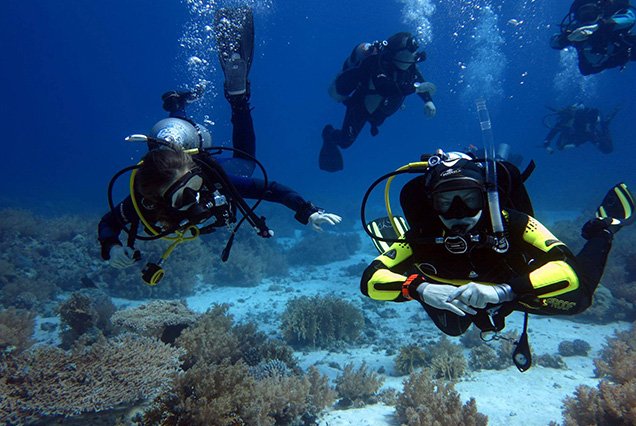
[577,124]
[182,186]
[446,254]
[373,83]
[600,31]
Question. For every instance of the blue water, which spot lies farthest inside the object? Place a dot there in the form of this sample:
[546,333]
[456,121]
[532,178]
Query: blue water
[78,76]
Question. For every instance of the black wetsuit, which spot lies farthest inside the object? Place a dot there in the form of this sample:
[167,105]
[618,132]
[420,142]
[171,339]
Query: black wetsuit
[576,126]
[545,276]
[374,76]
[243,138]
[611,45]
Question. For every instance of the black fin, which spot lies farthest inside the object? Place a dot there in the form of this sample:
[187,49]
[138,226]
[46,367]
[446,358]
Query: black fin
[234,30]
[618,204]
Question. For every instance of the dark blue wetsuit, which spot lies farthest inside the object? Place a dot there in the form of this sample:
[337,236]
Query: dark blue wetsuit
[239,170]
[611,45]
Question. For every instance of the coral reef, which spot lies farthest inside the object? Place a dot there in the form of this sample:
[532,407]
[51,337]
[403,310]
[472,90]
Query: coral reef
[550,361]
[613,401]
[410,358]
[322,248]
[576,347]
[425,401]
[483,357]
[86,313]
[447,359]
[235,375]
[16,329]
[252,259]
[50,383]
[357,387]
[163,319]
[320,321]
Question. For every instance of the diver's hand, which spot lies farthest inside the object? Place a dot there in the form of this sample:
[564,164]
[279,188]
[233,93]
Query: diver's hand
[319,218]
[438,296]
[430,109]
[549,149]
[480,295]
[582,33]
[122,257]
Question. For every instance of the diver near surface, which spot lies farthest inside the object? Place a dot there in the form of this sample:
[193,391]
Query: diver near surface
[373,83]
[449,259]
[600,31]
[577,124]
[180,187]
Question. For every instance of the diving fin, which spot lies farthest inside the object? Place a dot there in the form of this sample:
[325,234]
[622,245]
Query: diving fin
[234,29]
[330,158]
[618,205]
[382,228]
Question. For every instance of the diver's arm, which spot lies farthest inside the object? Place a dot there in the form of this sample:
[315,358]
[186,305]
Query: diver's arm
[621,20]
[419,78]
[556,277]
[277,193]
[112,223]
[380,282]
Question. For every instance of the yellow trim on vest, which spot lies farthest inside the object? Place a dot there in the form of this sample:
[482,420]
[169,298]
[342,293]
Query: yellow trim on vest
[539,236]
[553,273]
[398,252]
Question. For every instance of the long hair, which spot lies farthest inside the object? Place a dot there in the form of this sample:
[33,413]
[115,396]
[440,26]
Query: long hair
[160,168]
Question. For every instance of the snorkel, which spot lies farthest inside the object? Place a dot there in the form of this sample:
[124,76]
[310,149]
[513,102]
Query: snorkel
[501,243]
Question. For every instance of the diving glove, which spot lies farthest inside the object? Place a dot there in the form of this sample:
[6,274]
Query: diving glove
[440,296]
[122,257]
[480,295]
[320,218]
[582,33]
[430,109]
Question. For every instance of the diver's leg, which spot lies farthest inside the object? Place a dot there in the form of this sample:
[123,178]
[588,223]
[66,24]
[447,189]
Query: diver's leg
[234,30]
[354,120]
[243,135]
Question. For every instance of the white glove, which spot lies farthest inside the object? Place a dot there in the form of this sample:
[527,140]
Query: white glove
[319,218]
[439,296]
[480,295]
[121,257]
[430,109]
[582,33]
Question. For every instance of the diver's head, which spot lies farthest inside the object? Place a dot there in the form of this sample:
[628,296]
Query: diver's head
[182,133]
[587,12]
[401,50]
[171,183]
[457,192]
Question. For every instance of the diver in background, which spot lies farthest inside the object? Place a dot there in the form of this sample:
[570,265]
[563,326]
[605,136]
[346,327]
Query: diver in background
[177,190]
[600,31]
[450,261]
[374,81]
[577,124]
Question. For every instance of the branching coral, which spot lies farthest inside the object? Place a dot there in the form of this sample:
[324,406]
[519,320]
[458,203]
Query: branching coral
[320,321]
[357,387]
[425,401]
[163,319]
[86,313]
[613,402]
[220,388]
[16,328]
[410,358]
[48,382]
